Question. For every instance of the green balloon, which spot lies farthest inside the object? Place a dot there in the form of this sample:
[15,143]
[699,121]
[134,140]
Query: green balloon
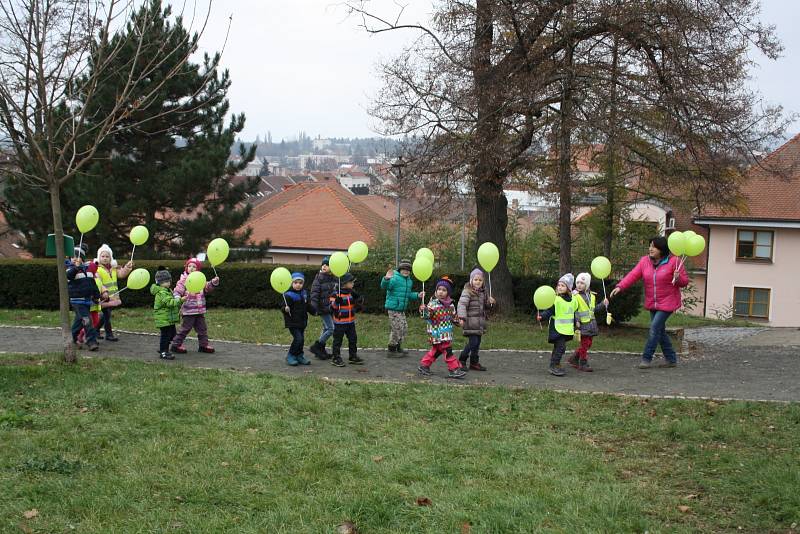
[488,256]
[86,218]
[338,263]
[281,279]
[425,252]
[138,279]
[217,251]
[195,282]
[601,267]
[544,297]
[696,245]
[422,269]
[357,252]
[139,235]
[677,243]
[688,234]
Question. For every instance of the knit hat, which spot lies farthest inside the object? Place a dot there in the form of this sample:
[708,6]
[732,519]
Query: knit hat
[326,260]
[348,277]
[475,272]
[586,278]
[568,280]
[298,276]
[81,251]
[404,264]
[162,275]
[197,264]
[105,248]
[446,283]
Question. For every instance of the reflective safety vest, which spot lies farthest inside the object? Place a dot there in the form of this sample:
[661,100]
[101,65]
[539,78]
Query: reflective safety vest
[564,316]
[108,278]
[97,307]
[585,311]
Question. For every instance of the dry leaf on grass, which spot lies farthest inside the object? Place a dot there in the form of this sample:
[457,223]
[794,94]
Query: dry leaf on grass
[423,501]
[466,528]
[377,459]
[683,508]
[346,528]
[30,514]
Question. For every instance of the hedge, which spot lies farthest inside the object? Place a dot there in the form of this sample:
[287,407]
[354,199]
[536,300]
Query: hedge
[32,284]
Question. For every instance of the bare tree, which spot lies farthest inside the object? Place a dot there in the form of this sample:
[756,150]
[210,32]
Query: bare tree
[55,55]
[487,79]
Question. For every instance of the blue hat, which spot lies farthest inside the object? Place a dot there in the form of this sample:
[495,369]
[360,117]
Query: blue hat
[325,260]
[348,277]
[298,276]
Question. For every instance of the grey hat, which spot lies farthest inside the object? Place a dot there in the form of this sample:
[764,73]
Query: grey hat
[568,280]
[162,275]
[404,264]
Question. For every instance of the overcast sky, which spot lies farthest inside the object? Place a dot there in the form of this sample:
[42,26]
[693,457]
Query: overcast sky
[303,65]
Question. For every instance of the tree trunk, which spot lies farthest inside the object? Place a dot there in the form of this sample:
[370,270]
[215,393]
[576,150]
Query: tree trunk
[565,163]
[491,207]
[70,355]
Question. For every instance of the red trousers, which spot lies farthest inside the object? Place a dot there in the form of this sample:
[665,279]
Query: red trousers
[583,350]
[445,348]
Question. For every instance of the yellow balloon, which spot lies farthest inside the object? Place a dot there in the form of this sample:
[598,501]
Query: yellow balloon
[138,279]
[601,267]
[488,256]
[422,268]
[195,282]
[281,279]
[357,252]
[425,252]
[86,218]
[217,251]
[338,263]
[139,235]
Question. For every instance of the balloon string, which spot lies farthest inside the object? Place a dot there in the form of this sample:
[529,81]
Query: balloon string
[80,243]
[132,251]
[538,321]
[286,304]
[604,288]
[118,292]
[490,283]
[215,271]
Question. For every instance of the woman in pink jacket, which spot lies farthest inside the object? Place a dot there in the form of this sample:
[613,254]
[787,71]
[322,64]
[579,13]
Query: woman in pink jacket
[663,280]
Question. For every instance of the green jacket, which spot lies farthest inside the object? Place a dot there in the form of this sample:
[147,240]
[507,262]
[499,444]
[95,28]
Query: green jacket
[166,308]
[399,290]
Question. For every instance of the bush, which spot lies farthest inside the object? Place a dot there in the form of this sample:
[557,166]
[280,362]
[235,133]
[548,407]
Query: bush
[32,284]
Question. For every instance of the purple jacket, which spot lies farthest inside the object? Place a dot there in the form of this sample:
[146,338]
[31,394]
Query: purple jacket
[195,303]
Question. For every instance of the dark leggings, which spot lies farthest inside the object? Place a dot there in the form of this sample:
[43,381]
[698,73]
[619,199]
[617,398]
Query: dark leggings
[167,333]
[559,348]
[105,321]
[471,350]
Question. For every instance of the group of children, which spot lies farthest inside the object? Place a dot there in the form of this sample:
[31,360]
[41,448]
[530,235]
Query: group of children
[94,293]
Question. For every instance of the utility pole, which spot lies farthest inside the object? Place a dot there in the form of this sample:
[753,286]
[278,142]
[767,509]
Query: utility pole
[398,167]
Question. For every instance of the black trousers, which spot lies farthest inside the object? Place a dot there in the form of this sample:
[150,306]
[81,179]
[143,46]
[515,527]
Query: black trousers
[167,333]
[471,350]
[341,330]
[298,338]
[105,321]
[559,347]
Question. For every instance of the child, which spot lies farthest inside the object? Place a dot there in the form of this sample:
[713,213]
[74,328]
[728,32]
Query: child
[295,318]
[398,286]
[83,293]
[562,325]
[322,289]
[440,315]
[193,310]
[109,273]
[166,311]
[472,313]
[585,321]
[96,309]
[343,306]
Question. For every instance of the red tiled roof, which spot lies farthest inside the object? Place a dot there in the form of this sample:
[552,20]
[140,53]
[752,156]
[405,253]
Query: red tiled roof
[315,215]
[771,191]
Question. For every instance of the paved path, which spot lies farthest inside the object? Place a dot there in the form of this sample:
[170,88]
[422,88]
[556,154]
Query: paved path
[756,367]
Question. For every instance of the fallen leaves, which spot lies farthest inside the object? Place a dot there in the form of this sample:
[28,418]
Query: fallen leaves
[684,509]
[466,528]
[30,514]
[423,501]
[377,459]
[347,528]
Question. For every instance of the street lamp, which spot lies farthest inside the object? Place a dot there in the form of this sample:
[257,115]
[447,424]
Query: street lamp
[398,167]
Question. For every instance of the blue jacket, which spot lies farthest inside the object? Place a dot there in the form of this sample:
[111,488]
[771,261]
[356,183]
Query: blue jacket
[399,291]
[81,285]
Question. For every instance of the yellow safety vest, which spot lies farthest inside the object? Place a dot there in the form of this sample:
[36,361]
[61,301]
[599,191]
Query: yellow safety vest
[564,317]
[585,311]
[97,307]
[108,279]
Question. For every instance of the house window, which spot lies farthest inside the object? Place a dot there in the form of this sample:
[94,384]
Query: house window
[751,302]
[754,245]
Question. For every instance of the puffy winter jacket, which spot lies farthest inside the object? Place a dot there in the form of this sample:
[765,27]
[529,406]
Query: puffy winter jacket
[299,307]
[659,292]
[440,318]
[472,308]
[166,307]
[322,289]
[81,285]
[399,291]
[195,303]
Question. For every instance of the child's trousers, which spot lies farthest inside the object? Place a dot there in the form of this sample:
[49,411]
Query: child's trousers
[559,347]
[583,350]
[198,322]
[445,348]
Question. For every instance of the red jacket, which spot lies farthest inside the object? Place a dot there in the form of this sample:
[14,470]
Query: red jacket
[659,292]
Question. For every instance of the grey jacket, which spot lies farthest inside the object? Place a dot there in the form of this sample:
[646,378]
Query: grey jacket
[473,307]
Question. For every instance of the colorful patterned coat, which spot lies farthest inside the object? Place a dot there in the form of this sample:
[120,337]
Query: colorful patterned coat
[440,319]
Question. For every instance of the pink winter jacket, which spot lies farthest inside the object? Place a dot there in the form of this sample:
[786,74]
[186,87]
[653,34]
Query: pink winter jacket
[195,303]
[659,292]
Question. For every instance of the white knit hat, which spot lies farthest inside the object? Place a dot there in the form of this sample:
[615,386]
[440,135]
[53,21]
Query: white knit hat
[105,248]
[568,280]
[586,278]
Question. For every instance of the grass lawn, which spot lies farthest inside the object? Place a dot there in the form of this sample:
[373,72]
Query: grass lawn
[266,326]
[689,321]
[114,446]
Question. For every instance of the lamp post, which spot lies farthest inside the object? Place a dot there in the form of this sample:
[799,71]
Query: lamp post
[398,166]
